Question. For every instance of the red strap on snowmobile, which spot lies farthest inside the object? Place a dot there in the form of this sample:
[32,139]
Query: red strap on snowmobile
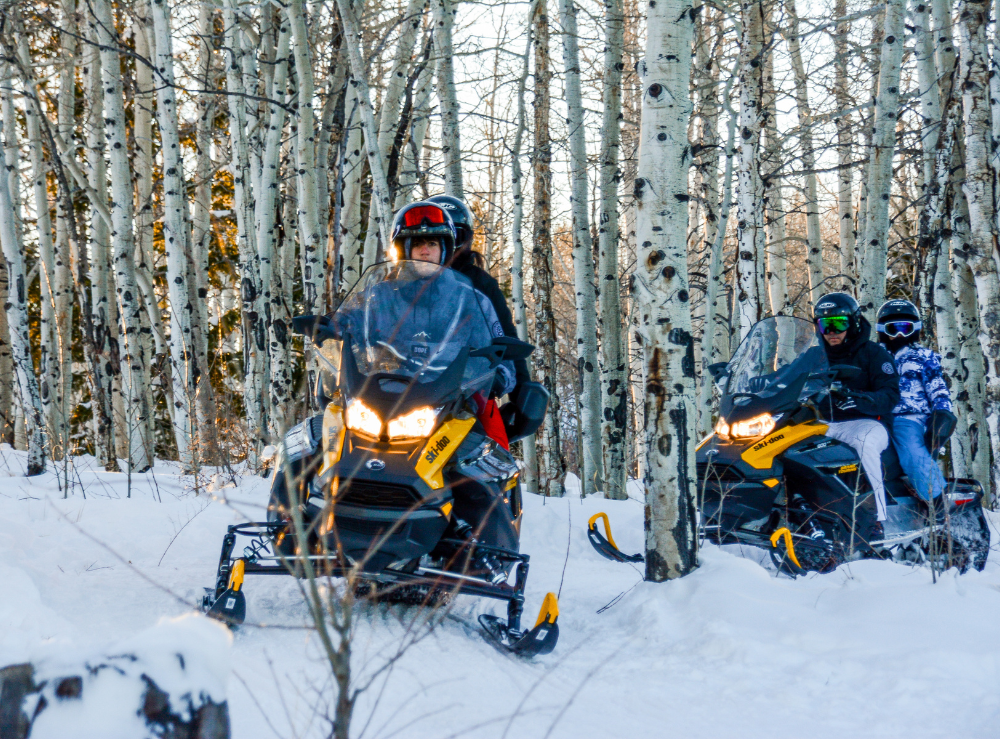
[489,416]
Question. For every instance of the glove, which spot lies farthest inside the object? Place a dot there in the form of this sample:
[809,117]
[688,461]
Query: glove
[503,382]
[843,400]
[940,426]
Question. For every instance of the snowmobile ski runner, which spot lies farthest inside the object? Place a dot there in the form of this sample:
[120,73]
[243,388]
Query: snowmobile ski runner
[397,486]
[769,477]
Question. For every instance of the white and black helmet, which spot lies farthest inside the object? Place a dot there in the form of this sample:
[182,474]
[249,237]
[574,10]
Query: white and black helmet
[898,323]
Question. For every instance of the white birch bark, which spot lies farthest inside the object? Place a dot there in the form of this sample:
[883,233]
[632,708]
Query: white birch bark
[978,187]
[352,247]
[845,150]
[175,236]
[773,204]
[17,317]
[409,167]
[451,148]
[389,112]
[814,247]
[517,261]
[614,403]
[381,200]
[254,330]
[8,382]
[127,295]
[750,258]
[713,348]
[583,261]
[663,308]
[876,233]
[551,467]
[310,241]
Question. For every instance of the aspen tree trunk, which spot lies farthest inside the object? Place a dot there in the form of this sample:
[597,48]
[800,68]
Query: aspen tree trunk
[751,253]
[712,347]
[583,262]
[845,147]
[251,293]
[8,383]
[104,312]
[127,296]
[978,187]
[60,374]
[773,205]
[352,167]
[872,271]
[153,334]
[614,403]
[17,316]
[517,263]
[814,247]
[310,241]
[381,200]
[389,113]
[201,234]
[551,467]
[451,148]
[331,133]
[664,313]
[409,168]
[175,236]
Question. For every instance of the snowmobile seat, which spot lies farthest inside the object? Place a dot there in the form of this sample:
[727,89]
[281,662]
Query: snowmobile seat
[896,483]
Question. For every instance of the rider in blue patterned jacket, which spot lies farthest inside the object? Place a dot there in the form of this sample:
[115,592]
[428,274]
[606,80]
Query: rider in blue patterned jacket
[923,418]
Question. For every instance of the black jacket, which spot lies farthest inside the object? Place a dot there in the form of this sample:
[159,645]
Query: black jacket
[876,390]
[483,281]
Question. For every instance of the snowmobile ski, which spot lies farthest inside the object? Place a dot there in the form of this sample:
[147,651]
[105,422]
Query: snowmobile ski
[540,639]
[606,547]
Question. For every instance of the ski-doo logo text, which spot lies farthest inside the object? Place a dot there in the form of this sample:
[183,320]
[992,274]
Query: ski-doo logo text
[771,440]
[435,450]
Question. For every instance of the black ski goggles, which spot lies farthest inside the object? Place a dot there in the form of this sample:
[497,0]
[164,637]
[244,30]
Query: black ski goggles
[892,329]
[833,324]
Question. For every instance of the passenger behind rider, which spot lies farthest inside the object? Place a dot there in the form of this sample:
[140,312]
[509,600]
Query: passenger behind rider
[471,263]
[425,232]
[923,418]
[859,410]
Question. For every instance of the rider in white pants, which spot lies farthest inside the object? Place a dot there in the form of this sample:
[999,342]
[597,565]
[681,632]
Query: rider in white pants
[861,404]
[869,439]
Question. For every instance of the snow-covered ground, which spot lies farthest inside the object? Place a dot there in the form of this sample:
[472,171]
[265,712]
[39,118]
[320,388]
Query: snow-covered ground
[874,649]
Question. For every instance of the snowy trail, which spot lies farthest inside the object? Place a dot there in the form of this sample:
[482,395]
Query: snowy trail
[871,650]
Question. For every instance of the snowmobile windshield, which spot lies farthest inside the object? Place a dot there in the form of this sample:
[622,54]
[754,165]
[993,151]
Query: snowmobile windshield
[413,320]
[776,355]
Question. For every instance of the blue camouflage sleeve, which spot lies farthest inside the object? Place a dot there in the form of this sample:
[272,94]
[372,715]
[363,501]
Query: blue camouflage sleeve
[937,391]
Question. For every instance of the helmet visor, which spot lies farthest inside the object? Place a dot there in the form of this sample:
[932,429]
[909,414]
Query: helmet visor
[430,213]
[833,324]
[898,328]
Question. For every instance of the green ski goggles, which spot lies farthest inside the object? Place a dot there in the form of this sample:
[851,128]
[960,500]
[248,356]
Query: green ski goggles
[833,324]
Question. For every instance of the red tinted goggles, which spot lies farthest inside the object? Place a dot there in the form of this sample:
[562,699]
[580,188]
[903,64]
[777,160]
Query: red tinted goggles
[430,213]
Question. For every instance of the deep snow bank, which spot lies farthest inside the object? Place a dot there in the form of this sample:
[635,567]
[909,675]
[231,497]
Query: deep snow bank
[874,649]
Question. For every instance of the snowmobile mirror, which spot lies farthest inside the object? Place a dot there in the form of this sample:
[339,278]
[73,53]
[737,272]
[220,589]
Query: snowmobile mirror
[717,370]
[845,371]
[317,328]
[503,347]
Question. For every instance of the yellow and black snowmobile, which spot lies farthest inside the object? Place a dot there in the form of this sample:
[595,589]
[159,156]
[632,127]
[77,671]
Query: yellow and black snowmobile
[399,483]
[769,477]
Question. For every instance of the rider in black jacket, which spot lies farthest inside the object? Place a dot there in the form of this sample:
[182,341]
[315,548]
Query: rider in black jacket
[860,409]
[471,264]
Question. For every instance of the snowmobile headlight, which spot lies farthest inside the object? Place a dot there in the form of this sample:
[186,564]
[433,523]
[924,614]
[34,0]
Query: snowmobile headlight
[722,428]
[757,426]
[359,417]
[414,425]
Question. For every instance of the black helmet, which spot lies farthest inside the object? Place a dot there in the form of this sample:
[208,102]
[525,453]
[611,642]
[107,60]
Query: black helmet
[898,324]
[423,219]
[461,216]
[838,306]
